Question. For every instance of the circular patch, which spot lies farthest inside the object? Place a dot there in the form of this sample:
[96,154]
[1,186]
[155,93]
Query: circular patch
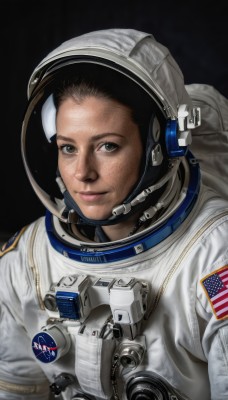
[44,347]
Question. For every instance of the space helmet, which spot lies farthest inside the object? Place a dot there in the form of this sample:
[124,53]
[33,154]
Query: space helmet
[142,74]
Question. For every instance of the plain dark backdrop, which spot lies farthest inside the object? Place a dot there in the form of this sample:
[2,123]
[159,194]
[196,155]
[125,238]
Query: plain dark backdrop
[194,31]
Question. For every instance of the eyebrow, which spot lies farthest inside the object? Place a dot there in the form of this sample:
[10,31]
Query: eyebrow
[93,138]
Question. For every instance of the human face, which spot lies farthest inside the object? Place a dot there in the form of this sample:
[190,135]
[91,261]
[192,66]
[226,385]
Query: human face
[100,152]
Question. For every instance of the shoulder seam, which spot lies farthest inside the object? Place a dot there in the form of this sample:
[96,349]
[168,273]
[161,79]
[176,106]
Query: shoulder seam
[12,242]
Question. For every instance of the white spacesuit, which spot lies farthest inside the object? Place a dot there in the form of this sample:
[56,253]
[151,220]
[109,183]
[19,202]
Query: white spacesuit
[144,317]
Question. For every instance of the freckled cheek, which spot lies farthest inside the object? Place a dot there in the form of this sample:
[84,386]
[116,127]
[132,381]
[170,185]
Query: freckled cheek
[112,168]
[131,167]
[66,171]
[111,172]
[122,175]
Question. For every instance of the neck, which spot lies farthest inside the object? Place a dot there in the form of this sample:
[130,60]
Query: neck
[121,230]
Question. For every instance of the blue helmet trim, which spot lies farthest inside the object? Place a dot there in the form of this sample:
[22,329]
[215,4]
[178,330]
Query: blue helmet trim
[172,146]
[141,244]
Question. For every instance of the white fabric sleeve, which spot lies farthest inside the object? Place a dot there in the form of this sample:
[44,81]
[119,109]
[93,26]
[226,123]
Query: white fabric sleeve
[218,365]
[21,377]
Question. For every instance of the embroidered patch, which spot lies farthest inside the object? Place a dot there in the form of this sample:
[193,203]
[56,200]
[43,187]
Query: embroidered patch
[216,289]
[12,242]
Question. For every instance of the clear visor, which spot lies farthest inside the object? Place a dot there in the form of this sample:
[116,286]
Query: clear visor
[40,154]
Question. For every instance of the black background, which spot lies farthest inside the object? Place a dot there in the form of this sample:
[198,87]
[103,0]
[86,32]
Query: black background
[194,31]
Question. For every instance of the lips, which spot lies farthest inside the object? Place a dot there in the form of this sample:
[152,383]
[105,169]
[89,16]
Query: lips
[90,197]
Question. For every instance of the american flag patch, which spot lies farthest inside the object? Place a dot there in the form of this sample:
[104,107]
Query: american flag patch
[216,288]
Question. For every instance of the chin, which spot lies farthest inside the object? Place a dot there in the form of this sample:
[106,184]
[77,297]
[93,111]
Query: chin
[96,216]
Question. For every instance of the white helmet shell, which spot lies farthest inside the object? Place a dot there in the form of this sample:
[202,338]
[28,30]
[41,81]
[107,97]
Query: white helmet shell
[137,52]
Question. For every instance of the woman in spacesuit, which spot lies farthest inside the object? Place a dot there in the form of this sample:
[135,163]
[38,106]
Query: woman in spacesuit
[119,291]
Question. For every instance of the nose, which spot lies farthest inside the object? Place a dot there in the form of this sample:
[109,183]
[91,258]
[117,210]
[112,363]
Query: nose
[85,168]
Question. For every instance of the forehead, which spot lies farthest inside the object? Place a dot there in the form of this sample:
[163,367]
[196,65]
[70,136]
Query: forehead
[96,108]
[94,117]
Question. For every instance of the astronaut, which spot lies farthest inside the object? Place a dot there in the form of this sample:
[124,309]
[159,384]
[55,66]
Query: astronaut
[120,291]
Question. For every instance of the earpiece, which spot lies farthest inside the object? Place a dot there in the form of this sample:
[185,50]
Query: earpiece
[178,131]
[48,117]
[176,141]
[172,145]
